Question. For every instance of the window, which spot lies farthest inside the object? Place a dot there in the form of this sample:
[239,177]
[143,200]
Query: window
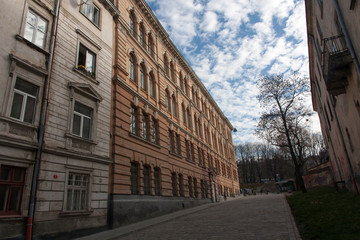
[200,158]
[142,35]
[133,120]
[146,173]
[195,187]
[192,152]
[183,113]
[134,178]
[193,95]
[202,189]
[145,126]
[154,131]
[86,61]
[35,29]
[178,144]
[181,185]
[11,189]
[157,181]
[132,24]
[82,120]
[186,88]
[167,100]
[181,82]
[150,45]
[77,197]
[173,106]
[172,73]
[142,77]
[132,68]
[171,141]
[195,125]
[206,189]
[166,66]
[24,101]
[188,118]
[190,182]
[152,85]
[91,12]
[174,183]
[187,149]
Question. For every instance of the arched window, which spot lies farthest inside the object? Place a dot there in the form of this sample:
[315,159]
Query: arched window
[181,82]
[167,101]
[152,85]
[134,178]
[166,66]
[157,181]
[142,77]
[150,45]
[132,23]
[173,106]
[132,68]
[142,35]
[172,72]
[146,178]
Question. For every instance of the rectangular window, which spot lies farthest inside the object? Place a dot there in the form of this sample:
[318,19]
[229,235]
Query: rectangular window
[190,182]
[24,101]
[181,185]
[154,131]
[157,181]
[195,188]
[144,127]
[11,189]
[178,146]
[133,120]
[171,141]
[77,192]
[91,12]
[35,29]
[86,61]
[82,120]
[187,150]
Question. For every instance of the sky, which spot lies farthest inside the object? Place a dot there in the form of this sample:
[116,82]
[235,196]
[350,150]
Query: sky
[232,43]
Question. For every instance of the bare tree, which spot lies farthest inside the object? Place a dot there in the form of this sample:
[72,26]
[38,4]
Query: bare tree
[283,123]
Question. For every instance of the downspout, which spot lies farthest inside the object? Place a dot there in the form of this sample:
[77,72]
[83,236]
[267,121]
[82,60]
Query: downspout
[356,62]
[41,129]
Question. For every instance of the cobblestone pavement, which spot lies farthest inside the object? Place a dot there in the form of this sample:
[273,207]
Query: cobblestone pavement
[259,217]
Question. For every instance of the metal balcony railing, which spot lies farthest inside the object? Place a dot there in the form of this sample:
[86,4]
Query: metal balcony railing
[336,63]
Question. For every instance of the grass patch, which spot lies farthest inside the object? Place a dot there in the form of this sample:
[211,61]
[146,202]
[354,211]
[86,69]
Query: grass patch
[324,213]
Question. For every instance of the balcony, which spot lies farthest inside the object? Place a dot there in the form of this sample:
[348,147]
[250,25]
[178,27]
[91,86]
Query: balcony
[336,68]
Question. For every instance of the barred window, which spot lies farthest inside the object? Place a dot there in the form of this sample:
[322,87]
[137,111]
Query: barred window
[77,192]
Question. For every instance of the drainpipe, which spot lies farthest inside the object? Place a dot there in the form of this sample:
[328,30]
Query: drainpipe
[356,62]
[41,129]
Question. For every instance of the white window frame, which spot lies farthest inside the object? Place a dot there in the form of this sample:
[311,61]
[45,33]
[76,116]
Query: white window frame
[91,12]
[36,30]
[83,117]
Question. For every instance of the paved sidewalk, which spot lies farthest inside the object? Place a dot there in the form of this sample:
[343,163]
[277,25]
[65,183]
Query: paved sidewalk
[259,217]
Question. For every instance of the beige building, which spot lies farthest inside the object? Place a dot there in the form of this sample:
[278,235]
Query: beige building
[334,48]
[55,115]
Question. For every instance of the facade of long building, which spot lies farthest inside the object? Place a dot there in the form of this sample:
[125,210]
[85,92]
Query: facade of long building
[102,120]
[172,145]
[334,72]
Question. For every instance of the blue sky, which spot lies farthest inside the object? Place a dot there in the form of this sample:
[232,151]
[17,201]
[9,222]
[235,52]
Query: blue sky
[231,43]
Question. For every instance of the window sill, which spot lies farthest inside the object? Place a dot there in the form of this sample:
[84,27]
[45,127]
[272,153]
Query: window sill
[76,213]
[32,45]
[144,140]
[11,217]
[72,136]
[86,76]
[175,154]
[16,121]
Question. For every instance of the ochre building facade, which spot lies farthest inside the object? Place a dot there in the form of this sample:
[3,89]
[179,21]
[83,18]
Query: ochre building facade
[334,48]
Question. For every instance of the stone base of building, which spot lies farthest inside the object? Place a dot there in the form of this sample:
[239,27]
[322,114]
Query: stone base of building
[127,209]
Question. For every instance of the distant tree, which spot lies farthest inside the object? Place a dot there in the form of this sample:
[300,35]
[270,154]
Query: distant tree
[284,121]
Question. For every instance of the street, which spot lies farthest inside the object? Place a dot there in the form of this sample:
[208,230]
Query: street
[257,217]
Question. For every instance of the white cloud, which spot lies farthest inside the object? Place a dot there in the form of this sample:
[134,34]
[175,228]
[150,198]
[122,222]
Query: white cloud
[230,44]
